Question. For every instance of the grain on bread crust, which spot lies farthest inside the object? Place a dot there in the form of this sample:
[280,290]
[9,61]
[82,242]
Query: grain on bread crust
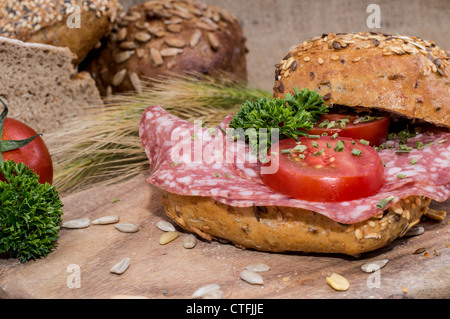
[163,37]
[43,22]
[405,75]
[284,229]
[41,86]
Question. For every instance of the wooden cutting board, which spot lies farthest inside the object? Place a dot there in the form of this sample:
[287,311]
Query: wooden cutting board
[79,267]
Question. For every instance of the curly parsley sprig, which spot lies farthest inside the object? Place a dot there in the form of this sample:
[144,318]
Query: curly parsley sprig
[30,213]
[293,116]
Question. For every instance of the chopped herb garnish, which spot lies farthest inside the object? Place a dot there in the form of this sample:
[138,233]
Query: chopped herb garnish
[324,134]
[413,161]
[328,145]
[442,141]
[227,175]
[212,131]
[216,174]
[300,148]
[419,145]
[392,136]
[364,142]
[315,144]
[401,176]
[316,137]
[356,152]
[384,201]
[334,136]
[318,153]
[288,151]
[194,136]
[428,144]
[339,146]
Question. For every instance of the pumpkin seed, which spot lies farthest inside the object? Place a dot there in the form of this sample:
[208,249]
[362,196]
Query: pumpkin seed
[210,291]
[119,77]
[167,237]
[77,223]
[252,277]
[337,282]
[258,267]
[374,265]
[189,241]
[165,226]
[121,266]
[106,220]
[127,227]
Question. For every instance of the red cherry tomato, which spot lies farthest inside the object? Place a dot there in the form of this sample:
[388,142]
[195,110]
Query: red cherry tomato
[35,154]
[325,171]
[375,131]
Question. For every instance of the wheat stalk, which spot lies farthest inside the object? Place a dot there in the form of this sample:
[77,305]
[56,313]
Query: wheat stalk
[102,147]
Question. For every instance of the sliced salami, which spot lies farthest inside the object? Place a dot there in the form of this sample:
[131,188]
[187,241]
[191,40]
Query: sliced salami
[188,159]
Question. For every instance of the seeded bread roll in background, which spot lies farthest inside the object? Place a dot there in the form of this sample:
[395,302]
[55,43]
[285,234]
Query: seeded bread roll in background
[404,75]
[163,36]
[55,23]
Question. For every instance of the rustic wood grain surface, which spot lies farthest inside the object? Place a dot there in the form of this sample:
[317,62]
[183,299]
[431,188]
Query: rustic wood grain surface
[172,272]
[273,26]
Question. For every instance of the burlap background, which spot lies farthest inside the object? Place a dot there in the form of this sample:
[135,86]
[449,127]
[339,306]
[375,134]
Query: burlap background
[273,26]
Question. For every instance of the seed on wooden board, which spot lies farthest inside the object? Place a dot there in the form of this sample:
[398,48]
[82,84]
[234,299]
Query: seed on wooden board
[170,52]
[121,266]
[167,237]
[415,231]
[374,265]
[165,226]
[142,37]
[106,220]
[210,291]
[127,227]
[189,241]
[175,43]
[123,56]
[77,223]
[195,38]
[419,250]
[252,277]
[338,282]
[213,41]
[119,77]
[258,267]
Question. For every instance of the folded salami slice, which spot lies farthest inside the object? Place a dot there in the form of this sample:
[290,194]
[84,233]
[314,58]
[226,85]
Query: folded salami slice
[188,159]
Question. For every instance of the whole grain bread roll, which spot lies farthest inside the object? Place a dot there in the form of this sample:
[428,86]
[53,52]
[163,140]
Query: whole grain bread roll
[407,76]
[76,24]
[284,229]
[165,36]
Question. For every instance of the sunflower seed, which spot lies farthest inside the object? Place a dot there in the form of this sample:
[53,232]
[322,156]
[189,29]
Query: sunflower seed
[170,52]
[207,26]
[156,31]
[121,34]
[175,43]
[258,267]
[106,220]
[415,231]
[213,41]
[123,56]
[156,56]
[165,226]
[121,266]
[77,223]
[189,241]
[127,227]
[211,291]
[195,38]
[252,277]
[167,237]
[127,45]
[119,77]
[374,265]
[142,37]
[174,28]
[337,282]
[135,82]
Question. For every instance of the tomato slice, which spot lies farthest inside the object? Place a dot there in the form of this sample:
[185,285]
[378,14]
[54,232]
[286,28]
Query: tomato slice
[325,169]
[374,131]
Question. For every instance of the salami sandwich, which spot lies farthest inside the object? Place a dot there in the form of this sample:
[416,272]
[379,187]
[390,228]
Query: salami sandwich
[361,146]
